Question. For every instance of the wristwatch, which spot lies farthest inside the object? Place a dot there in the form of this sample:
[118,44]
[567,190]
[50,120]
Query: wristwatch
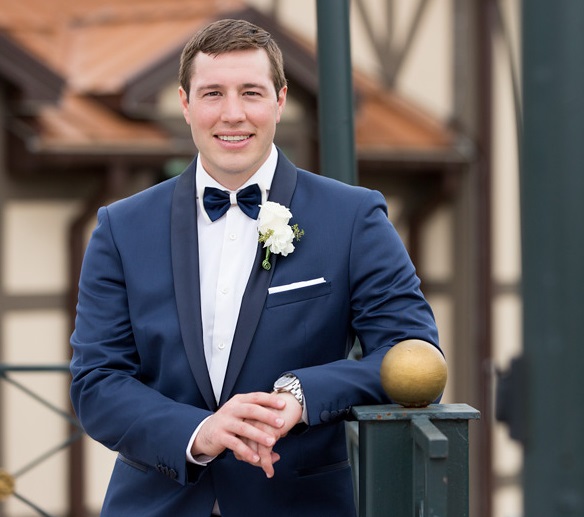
[289,383]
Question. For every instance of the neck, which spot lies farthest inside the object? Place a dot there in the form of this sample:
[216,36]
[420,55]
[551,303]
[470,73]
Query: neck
[234,182]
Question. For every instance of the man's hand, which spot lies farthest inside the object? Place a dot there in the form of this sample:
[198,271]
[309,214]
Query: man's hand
[242,424]
[291,414]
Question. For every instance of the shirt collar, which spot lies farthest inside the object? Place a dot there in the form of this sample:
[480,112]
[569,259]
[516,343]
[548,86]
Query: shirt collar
[263,177]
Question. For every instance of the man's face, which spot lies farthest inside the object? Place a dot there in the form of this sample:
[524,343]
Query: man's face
[233,111]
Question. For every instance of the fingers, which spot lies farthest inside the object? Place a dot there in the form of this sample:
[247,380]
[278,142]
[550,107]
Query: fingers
[231,427]
[265,458]
[275,457]
[290,414]
[260,407]
[259,434]
[268,400]
[249,425]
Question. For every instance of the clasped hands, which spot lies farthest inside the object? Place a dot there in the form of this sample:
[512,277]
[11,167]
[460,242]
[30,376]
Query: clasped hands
[250,425]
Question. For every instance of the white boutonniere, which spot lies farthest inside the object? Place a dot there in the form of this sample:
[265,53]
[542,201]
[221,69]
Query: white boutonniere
[276,234]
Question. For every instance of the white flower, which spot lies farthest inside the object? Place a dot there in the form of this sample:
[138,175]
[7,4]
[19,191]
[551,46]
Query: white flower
[272,216]
[275,232]
[279,240]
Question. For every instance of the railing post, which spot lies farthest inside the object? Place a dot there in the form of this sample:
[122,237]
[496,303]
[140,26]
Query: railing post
[430,476]
[413,462]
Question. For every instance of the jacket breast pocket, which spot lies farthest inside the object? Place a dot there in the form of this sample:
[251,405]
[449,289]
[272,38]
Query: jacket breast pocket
[298,295]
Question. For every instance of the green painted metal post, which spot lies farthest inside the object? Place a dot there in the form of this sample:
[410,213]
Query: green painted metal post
[335,99]
[552,191]
[413,462]
[430,462]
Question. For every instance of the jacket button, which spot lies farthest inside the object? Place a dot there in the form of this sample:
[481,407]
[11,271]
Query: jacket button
[325,416]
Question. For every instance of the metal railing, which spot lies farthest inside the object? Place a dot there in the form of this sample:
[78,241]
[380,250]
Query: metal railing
[8,480]
[412,462]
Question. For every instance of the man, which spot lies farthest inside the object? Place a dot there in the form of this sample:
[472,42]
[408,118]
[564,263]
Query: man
[215,366]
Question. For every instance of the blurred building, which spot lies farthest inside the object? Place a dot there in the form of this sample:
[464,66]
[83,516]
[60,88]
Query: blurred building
[89,113]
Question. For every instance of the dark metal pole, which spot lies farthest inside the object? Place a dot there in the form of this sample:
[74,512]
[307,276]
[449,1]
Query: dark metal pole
[112,186]
[552,190]
[337,142]
[484,24]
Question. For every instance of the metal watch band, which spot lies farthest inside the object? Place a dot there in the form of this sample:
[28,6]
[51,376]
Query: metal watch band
[293,386]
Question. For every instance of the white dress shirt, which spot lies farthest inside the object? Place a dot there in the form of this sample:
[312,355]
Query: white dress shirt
[227,249]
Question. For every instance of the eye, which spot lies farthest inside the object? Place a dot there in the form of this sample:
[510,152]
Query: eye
[251,93]
[212,94]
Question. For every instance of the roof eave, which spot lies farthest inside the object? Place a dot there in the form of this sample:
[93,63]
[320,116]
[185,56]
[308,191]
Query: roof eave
[37,82]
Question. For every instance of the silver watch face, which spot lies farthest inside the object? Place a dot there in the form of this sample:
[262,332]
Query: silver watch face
[284,381]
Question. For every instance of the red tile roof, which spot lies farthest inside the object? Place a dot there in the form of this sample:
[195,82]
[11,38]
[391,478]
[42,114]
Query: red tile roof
[100,46]
[385,121]
[82,125]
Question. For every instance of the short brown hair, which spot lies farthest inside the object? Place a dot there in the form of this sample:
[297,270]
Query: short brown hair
[226,36]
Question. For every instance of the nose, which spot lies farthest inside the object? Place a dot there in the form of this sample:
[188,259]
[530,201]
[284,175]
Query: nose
[233,109]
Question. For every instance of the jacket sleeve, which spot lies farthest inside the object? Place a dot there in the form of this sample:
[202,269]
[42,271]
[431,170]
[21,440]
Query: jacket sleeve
[386,307]
[114,404]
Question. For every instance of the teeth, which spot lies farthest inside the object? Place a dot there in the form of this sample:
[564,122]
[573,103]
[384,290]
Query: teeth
[234,138]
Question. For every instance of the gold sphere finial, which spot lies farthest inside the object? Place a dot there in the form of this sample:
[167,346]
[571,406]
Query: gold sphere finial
[413,373]
[6,485]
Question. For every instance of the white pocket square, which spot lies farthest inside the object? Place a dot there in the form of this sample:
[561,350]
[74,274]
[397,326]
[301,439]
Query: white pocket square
[295,285]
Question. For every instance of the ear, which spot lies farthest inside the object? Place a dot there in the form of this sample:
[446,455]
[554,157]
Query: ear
[184,103]
[281,102]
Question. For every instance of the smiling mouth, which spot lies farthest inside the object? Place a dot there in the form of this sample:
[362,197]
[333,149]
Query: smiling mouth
[233,138]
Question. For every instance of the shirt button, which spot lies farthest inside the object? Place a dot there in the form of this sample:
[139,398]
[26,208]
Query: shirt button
[221,345]
[224,290]
[232,236]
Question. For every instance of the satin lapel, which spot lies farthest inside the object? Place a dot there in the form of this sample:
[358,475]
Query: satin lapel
[255,294]
[185,269]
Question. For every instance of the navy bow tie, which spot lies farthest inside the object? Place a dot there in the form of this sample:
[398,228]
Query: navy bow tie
[217,202]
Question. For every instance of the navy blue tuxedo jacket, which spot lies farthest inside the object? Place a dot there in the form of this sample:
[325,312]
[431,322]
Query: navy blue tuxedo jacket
[140,383]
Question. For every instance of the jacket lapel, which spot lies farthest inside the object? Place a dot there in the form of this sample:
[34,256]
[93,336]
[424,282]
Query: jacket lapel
[254,297]
[185,268]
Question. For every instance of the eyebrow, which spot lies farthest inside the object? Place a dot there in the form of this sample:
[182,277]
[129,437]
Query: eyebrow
[254,85]
[208,87]
[244,86]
